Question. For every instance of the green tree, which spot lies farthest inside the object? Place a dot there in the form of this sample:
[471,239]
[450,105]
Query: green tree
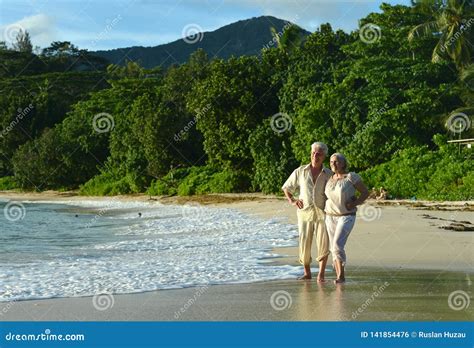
[452,22]
[272,156]
[232,101]
[60,49]
[367,99]
[34,103]
[23,42]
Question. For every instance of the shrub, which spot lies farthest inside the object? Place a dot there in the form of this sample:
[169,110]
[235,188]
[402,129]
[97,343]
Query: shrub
[8,183]
[443,174]
[200,180]
[109,183]
[168,185]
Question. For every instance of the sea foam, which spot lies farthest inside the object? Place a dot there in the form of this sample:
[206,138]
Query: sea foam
[72,248]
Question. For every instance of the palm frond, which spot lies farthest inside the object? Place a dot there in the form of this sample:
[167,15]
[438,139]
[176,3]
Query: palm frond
[424,29]
[275,35]
[467,73]
[440,52]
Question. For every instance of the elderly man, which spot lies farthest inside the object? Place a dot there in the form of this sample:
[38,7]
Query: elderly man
[310,180]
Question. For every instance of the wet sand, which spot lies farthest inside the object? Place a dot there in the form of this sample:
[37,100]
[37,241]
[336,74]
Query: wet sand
[370,295]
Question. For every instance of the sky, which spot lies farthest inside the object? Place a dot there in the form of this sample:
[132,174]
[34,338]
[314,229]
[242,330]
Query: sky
[107,24]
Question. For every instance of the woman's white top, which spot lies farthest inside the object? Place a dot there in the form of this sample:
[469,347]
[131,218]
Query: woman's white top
[339,192]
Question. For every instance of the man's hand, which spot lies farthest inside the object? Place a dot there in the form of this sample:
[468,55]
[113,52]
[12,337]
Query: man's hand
[298,203]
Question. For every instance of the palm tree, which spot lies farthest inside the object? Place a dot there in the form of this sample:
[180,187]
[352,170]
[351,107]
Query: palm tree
[289,38]
[453,23]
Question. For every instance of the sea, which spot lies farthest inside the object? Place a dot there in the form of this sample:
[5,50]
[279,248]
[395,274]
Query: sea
[82,248]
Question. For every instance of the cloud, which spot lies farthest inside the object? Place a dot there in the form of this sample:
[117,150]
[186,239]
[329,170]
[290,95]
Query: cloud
[145,23]
[310,14]
[41,28]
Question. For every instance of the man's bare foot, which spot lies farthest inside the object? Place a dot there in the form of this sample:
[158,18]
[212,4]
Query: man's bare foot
[305,277]
[340,281]
[321,280]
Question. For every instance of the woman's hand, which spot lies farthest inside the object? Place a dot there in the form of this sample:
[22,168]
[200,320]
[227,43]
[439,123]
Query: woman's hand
[351,205]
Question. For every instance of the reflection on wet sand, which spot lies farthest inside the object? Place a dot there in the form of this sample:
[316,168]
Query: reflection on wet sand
[385,295]
[321,302]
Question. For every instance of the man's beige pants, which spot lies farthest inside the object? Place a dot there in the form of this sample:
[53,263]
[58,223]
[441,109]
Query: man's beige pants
[309,225]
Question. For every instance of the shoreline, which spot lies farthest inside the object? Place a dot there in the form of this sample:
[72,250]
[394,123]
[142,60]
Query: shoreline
[371,294]
[390,234]
[205,198]
[399,242]
[219,198]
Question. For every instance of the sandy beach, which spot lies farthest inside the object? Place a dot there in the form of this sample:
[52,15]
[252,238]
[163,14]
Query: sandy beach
[404,260]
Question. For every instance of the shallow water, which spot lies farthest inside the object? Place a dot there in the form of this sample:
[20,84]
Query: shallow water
[83,248]
[368,295]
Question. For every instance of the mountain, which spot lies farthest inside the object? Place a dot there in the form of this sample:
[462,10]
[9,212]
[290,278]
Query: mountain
[245,37]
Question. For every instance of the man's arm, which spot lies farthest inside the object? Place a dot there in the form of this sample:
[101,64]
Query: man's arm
[290,186]
[291,200]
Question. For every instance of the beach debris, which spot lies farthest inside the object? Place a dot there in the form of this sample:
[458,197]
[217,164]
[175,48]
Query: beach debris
[458,227]
[451,224]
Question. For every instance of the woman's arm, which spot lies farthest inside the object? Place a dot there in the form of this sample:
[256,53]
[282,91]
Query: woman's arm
[364,193]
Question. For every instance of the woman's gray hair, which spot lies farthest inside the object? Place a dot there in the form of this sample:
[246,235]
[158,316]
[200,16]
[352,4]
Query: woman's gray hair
[341,157]
[321,146]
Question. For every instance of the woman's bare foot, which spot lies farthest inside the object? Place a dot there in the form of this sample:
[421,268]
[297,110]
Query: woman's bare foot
[340,281]
[321,280]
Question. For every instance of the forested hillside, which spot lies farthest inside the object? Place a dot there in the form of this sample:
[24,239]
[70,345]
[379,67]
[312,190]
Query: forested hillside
[389,96]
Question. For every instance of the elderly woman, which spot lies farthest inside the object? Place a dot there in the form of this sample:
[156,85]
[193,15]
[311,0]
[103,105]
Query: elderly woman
[341,209]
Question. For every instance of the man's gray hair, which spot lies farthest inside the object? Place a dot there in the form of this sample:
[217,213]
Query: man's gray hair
[340,157]
[321,146]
